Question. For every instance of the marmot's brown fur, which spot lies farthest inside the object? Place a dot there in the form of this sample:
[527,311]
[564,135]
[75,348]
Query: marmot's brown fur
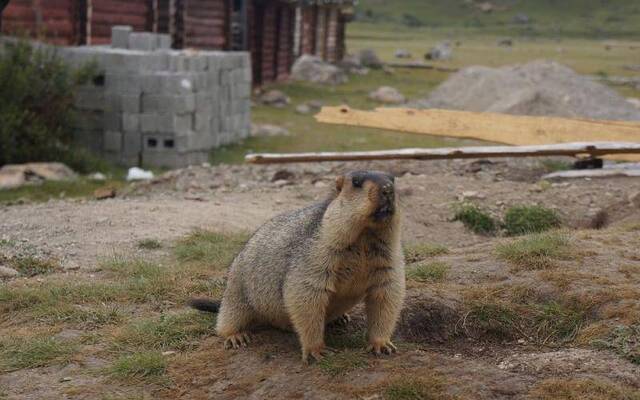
[304,269]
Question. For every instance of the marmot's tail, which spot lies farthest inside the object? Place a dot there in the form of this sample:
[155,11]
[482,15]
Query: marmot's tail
[205,305]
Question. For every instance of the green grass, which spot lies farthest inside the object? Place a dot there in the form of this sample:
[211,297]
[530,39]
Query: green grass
[85,317]
[56,190]
[146,366]
[536,251]
[343,362]
[213,249]
[624,340]
[420,251]
[475,219]
[581,389]
[149,244]
[31,266]
[417,388]
[435,271]
[552,165]
[347,340]
[520,220]
[19,353]
[168,332]
[142,280]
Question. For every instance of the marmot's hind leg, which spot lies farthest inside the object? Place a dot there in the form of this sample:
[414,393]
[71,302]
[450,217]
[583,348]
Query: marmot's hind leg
[234,319]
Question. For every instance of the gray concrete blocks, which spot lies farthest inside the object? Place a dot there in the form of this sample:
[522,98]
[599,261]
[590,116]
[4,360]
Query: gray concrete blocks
[161,107]
[120,36]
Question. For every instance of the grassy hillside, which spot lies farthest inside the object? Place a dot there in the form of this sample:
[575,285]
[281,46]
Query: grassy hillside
[587,18]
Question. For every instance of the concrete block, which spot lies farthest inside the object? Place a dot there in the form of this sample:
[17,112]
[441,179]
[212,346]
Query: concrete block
[247,75]
[112,141]
[112,102]
[164,41]
[178,63]
[157,103]
[202,122]
[182,123]
[156,61]
[130,122]
[178,83]
[87,98]
[120,36]
[132,144]
[149,122]
[184,104]
[130,103]
[204,101]
[112,121]
[144,41]
[152,83]
[213,62]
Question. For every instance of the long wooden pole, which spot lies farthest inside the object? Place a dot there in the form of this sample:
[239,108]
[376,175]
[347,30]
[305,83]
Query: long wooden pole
[563,149]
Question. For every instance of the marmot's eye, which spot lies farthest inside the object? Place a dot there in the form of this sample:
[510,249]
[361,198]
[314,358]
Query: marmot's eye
[356,181]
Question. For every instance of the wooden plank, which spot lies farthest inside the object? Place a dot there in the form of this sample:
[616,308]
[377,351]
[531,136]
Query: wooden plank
[516,130]
[563,149]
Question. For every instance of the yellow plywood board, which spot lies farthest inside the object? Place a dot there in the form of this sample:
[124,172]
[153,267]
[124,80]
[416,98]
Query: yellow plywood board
[497,128]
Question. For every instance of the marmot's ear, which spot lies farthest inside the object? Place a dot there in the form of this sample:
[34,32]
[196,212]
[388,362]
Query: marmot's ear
[339,183]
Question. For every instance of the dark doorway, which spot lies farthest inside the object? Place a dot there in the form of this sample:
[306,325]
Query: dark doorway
[238,25]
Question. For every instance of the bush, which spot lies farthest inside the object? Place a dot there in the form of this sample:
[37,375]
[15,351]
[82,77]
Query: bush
[36,99]
[475,219]
[521,220]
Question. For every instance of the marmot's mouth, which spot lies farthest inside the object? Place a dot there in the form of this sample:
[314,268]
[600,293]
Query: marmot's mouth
[383,212]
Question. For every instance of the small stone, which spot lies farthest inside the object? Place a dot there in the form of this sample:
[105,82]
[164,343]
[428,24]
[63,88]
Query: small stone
[6,272]
[471,195]
[388,95]
[275,98]
[97,176]
[303,109]
[320,184]
[65,379]
[282,174]
[168,353]
[402,53]
[281,182]
[634,199]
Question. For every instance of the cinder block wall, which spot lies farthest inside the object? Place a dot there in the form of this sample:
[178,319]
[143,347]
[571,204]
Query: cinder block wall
[153,106]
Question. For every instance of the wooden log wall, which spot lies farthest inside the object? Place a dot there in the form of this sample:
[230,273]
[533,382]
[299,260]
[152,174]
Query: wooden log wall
[103,14]
[206,24]
[52,20]
[308,32]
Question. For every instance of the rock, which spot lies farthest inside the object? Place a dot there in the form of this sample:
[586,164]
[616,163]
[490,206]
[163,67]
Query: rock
[274,98]
[349,62]
[282,174]
[542,88]
[486,7]
[97,176]
[281,182]
[388,95]
[521,18]
[634,199]
[505,42]
[634,102]
[471,195]
[369,58]
[268,130]
[310,68]
[315,104]
[402,53]
[16,175]
[441,51]
[6,272]
[104,193]
[303,109]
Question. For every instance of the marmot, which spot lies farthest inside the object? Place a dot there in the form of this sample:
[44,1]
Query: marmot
[304,269]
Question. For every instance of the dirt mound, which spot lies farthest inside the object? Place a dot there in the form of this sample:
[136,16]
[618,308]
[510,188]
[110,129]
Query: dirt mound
[538,88]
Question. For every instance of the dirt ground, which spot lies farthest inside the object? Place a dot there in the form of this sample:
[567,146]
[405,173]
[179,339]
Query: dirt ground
[436,350]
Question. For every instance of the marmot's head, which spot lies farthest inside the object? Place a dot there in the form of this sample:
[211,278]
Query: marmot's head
[368,193]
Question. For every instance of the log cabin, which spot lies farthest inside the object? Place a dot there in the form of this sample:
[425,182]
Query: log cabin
[275,32]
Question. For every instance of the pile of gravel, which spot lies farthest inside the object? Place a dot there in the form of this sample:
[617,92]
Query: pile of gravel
[538,88]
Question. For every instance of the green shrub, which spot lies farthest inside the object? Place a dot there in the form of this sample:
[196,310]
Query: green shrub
[475,219]
[538,251]
[521,220]
[429,272]
[36,99]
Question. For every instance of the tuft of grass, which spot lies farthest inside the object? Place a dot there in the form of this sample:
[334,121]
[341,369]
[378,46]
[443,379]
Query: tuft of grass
[551,165]
[149,244]
[31,266]
[175,332]
[434,271]
[147,365]
[422,388]
[142,280]
[86,317]
[520,220]
[19,353]
[212,249]
[581,389]
[624,340]
[475,219]
[349,340]
[420,251]
[343,362]
[537,251]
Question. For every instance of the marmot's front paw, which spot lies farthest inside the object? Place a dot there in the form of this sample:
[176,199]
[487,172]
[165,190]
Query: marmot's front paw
[381,346]
[317,353]
[237,340]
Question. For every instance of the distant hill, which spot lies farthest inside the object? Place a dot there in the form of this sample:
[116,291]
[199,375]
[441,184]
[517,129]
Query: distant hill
[592,18]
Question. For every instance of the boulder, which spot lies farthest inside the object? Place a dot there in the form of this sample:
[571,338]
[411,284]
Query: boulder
[16,175]
[521,18]
[275,98]
[388,95]
[369,59]
[310,68]
[268,130]
[402,53]
[441,51]
[303,109]
[6,272]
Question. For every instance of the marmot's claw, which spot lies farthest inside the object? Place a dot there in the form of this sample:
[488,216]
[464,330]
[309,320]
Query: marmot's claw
[316,355]
[384,347]
[344,320]
[237,340]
